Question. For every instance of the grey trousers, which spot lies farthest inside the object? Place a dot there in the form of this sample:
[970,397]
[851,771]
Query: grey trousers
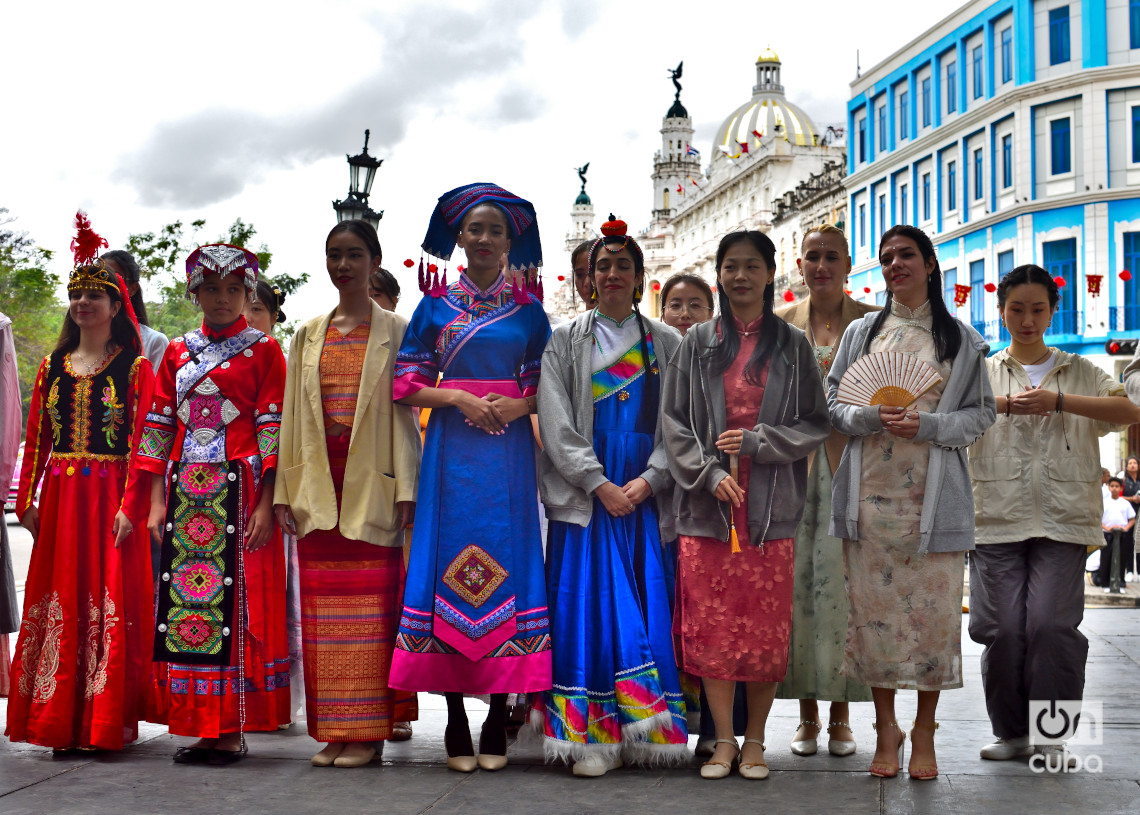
[1026,601]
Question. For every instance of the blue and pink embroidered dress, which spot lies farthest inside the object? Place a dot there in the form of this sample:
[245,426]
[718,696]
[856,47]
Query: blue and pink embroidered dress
[475,618]
[616,687]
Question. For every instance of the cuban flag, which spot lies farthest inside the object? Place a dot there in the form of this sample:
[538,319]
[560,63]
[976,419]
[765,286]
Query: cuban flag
[691,151]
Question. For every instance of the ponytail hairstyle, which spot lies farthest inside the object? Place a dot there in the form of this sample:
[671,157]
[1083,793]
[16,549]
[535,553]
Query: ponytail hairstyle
[129,269]
[272,298]
[613,240]
[947,334]
[1028,274]
[774,332]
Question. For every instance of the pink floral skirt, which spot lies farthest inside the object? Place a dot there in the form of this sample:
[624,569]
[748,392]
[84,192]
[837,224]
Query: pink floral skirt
[733,617]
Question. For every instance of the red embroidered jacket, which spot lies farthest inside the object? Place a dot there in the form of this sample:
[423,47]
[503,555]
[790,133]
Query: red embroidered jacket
[217,398]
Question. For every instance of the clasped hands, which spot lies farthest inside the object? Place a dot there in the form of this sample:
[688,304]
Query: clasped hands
[491,413]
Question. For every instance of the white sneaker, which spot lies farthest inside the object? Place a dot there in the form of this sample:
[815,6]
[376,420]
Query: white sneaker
[1005,749]
[596,765]
[1129,577]
[1057,758]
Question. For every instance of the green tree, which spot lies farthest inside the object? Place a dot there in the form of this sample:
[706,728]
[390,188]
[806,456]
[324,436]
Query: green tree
[28,296]
[162,256]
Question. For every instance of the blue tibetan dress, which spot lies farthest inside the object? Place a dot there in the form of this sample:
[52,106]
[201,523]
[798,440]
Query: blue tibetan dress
[475,618]
[616,685]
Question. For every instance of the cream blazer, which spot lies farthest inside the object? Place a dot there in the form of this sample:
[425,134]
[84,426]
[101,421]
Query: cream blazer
[384,448]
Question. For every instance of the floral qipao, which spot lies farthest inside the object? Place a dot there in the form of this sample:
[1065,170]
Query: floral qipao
[82,664]
[475,618]
[216,415]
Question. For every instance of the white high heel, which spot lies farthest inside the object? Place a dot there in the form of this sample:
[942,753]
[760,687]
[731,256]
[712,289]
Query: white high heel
[837,747]
[807,747]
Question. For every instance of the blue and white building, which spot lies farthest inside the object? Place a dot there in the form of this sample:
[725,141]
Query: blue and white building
[1010,133]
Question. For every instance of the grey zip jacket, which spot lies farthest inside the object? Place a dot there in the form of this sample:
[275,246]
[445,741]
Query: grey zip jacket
[792,423]
[569,470]
[964,412]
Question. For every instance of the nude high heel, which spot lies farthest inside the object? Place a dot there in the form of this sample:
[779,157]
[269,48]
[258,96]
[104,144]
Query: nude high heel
[883,770]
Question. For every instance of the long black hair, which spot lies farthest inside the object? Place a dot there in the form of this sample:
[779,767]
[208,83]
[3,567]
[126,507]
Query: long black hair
[648,406]
[774,332]
[947,334]
[131,275]
[123,333]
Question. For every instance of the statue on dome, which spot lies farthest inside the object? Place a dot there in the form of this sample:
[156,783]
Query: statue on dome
[582,175]
[675,74]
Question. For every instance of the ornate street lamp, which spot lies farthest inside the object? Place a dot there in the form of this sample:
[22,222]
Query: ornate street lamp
[355,204]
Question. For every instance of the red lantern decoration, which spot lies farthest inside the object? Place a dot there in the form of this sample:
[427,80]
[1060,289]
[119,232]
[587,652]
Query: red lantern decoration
[460,268]
[1093,281]
[561,277]
[1060,281]
[866,290]
[847,291]
[961,294]
[409,263]
[656,286]
[990,287]
[432,268]
[1126,275]
[788,296]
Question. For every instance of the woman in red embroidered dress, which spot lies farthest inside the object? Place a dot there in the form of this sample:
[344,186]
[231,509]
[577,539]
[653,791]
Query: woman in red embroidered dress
[82,663]
[221,602]
[743,387]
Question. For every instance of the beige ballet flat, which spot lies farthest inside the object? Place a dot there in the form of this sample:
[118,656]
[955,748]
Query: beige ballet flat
[328,754]
[356,754]
[713,770]
[754,772]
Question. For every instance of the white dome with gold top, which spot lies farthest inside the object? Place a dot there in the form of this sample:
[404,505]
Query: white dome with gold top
[768,113]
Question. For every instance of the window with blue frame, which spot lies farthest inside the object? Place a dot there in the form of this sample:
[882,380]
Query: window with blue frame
[1134,23]
[1007,53]
[979,177]
[1060,147]
[1060,260]
[1136,134]
[949,278]
[1005,266]
[863,140]
[882,128]
[862,224]
[951,86]
[926,100]
[1007,161]
[977,77]
[882,214]
[926,196]
[978,295]
[1132,287]
[904,115]
[951,186]
[902,205]
[1058,35]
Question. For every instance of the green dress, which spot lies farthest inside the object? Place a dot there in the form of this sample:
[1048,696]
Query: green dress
[819,601]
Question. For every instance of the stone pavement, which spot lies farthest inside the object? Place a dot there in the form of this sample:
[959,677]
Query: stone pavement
[411,777]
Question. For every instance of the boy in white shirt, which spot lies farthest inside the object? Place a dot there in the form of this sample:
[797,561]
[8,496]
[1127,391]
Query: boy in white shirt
[1118,515]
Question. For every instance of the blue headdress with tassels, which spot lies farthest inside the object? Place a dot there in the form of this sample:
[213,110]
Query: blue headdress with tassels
[525,254]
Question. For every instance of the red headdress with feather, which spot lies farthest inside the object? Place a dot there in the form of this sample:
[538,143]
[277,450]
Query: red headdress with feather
[91,272]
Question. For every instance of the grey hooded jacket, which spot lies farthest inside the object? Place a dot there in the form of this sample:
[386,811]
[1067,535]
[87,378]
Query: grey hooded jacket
[791,424]
[569,470]
[965,410]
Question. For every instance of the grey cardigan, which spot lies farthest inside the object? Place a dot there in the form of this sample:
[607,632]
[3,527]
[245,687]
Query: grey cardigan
[965,410]
[569,470]
[792,423]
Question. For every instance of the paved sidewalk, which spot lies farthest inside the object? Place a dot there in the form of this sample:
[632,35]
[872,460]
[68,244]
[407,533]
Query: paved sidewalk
[412,778]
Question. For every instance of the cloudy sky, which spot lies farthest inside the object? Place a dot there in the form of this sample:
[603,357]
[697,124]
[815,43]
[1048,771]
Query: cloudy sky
[145,113]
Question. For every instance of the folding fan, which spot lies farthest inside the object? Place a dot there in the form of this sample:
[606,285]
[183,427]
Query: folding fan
[887,378]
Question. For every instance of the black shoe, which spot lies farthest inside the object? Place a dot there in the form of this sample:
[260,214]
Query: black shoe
[192,755]
[221,758]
